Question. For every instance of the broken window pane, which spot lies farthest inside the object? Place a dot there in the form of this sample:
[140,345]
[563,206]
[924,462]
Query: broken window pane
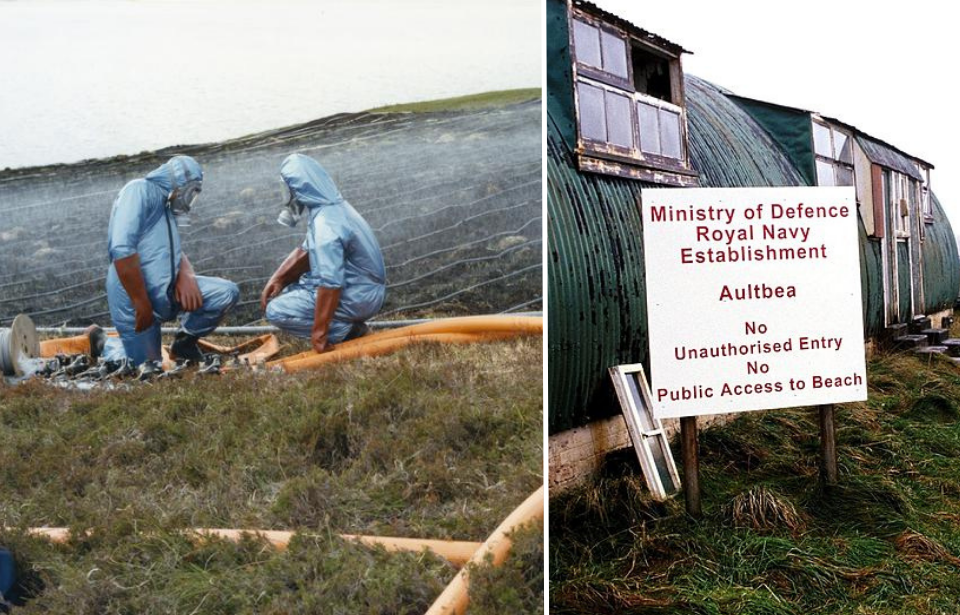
[844,176]
[670,134]
[824,174]
[843,146]
[651,74]
[643,415]
[586,40]
[649,128]
[592,115]
[656,445]
[614,54]
[821,140]
[619,120]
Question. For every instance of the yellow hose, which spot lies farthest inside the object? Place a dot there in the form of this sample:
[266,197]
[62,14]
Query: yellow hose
[380,347]
[456,552]
[453,600]
[467,329]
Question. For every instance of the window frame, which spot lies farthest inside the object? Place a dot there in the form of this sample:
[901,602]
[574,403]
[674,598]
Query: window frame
[614,159]
[833,160]
[899,186]
[926,197]
[597,73]
[660,104]
[606,147]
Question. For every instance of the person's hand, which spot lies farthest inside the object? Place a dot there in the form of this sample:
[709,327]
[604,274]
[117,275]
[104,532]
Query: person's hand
[319,342]
[272,289]
[144,315]
[187,292]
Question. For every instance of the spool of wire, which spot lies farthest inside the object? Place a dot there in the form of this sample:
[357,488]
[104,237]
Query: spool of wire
[18,345]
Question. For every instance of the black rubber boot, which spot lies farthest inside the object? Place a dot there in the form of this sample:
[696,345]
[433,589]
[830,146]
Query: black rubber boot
[98,339]
[184,348]
[359,329]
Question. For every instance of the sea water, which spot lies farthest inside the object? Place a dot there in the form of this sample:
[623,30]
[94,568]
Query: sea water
[95,78]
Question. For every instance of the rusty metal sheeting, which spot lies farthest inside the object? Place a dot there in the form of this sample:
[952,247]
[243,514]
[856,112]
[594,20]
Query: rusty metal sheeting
[640,33]
[885,156]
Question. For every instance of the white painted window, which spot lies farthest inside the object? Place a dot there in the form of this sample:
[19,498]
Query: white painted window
[833,152]
[903,197]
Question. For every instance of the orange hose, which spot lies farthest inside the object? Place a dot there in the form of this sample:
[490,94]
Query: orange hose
[374,348]
[268,349]
[457,552]
[453,600]
[466,329]
[79,344]
[244,348]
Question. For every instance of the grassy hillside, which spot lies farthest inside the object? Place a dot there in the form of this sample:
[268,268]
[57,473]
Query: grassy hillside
[472,102]
[433,442]
[773,542]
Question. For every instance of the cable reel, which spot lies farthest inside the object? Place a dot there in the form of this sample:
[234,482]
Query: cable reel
[18,345]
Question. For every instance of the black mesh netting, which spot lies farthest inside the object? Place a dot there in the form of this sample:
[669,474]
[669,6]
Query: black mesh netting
[454,198]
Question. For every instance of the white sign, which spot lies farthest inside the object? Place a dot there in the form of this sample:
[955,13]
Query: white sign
[753,298]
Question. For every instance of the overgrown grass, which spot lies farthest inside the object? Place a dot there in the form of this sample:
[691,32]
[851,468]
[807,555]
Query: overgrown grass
[472,102]
[433,442]
[772,541]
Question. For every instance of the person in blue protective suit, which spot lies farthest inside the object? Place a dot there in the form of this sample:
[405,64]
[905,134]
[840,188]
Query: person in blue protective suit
[327,288]
[150,280]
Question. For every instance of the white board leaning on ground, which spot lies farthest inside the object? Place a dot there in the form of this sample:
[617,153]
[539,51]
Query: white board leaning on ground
[646,432]
[753,299]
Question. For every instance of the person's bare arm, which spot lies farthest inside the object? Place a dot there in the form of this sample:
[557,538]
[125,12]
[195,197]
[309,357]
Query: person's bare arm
[327,301]
[131,278]
[295,265]
[186,291]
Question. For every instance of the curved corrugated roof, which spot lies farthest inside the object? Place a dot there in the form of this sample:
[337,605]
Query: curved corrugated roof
[727,147]
[597,289]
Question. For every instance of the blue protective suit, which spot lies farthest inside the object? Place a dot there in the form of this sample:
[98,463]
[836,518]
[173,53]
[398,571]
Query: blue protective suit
[142,223]
[343,251]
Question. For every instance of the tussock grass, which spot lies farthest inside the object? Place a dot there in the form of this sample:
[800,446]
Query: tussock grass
[760,508]
[434,442]
[916,546]
[772,540]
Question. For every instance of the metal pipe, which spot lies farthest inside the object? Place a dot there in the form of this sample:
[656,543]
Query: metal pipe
[259,329]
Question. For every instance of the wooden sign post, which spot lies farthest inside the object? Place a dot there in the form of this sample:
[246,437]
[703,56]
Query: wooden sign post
[691,465]
[753,303]
[828,446]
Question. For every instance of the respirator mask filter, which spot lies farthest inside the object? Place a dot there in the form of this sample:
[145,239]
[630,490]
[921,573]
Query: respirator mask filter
[292,209]
[182,199]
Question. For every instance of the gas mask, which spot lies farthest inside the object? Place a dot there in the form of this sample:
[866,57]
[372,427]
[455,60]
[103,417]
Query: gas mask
[292,209]
[182,199]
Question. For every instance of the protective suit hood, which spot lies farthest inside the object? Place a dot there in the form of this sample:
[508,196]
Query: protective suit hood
[182,169]
[309,181]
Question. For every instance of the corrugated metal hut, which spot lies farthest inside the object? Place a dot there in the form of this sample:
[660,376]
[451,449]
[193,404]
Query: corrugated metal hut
[622,116]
